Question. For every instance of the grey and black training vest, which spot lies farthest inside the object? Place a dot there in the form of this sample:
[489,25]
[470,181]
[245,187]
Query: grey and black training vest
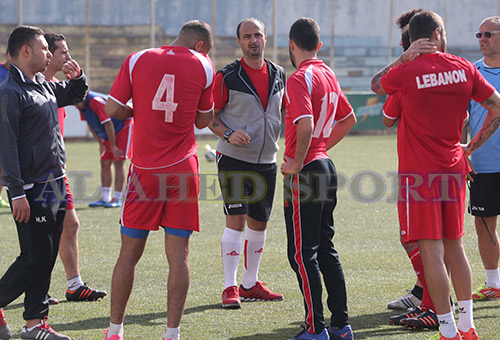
[244,111]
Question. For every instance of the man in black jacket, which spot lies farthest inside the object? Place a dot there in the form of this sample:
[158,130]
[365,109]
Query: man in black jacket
[32,158]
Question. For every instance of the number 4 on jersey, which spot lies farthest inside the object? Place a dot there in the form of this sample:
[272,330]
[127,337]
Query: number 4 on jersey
[167,86]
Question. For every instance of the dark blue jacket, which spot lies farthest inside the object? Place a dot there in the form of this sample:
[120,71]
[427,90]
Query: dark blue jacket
[32,148]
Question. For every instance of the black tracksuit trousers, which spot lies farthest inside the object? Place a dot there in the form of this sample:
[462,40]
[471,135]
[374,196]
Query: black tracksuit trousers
[39,243]
[310,198]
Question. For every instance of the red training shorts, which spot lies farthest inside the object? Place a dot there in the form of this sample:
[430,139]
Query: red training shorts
[124,140]
[433,209]
[165,197]
[70,204]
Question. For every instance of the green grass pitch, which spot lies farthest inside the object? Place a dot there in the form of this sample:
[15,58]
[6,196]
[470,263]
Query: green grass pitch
[367,238]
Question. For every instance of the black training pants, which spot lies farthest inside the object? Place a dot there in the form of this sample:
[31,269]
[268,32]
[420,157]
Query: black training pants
[39,242]
[310,198]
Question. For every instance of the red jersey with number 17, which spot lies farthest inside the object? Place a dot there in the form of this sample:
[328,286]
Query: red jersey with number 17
[168,85]
[313,90]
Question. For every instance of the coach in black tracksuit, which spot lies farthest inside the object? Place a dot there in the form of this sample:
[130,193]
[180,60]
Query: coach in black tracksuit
[32,156]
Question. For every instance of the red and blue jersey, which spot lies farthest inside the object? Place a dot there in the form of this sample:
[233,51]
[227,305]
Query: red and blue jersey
[95,115]
[3,72]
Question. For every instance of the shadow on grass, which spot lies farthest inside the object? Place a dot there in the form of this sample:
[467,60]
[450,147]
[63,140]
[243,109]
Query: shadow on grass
[280,333]
[147,319]
[17,305]
[368,326]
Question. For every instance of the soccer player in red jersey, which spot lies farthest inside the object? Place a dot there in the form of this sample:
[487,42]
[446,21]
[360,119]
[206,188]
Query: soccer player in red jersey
[248,124]
[419,309]
[171,91]
[435,91]
[314,102]
[68,248]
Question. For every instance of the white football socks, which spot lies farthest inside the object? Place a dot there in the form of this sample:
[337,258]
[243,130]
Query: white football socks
[253,247]
[492,278]
[230,250]
[74,283]
[106,194]
[447,325]
[115,329]
[171,334]
[465,315]
[117,195]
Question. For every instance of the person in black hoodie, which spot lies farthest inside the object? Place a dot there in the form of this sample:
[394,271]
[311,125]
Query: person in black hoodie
[32,158]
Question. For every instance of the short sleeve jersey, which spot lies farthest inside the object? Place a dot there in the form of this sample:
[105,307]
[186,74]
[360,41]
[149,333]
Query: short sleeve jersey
[486,159]
[313,91]
[435,92]
[167,85]
[95,115]
[393,109]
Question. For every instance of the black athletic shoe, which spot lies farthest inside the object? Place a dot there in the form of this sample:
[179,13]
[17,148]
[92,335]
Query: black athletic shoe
[427,319]
[84,293]
[410,313]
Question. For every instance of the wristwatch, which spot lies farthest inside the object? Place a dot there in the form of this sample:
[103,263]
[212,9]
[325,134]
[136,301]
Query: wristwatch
[227,133]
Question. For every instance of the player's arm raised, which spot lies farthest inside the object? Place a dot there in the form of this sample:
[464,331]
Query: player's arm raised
[490,124]
[420,46]
[117,110]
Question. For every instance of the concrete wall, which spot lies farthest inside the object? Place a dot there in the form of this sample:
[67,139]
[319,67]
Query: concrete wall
[362,29]
[354,19]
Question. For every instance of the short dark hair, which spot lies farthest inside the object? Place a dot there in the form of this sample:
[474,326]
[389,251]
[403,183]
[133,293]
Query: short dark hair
[404,18]
[405,39]
[305,33]
[197,30]
[423,24]
[51,40]
[249,19]
[22,35]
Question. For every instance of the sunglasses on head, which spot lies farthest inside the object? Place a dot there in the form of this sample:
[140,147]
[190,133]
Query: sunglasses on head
[487,34]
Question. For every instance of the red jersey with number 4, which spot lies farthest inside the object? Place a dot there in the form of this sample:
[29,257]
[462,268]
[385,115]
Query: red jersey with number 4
[168,85]
[313,91]
[435,93]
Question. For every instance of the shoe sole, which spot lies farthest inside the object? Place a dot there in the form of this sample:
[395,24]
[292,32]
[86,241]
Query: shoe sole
[395,323]
[256,300]
[84,300]
[415,327]
[398,323]
[480,298]
[231,306]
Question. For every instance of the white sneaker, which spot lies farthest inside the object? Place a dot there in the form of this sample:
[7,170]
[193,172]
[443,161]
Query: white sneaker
[405,302]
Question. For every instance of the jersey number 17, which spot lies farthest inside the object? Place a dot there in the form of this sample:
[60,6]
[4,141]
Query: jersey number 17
[323,126]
